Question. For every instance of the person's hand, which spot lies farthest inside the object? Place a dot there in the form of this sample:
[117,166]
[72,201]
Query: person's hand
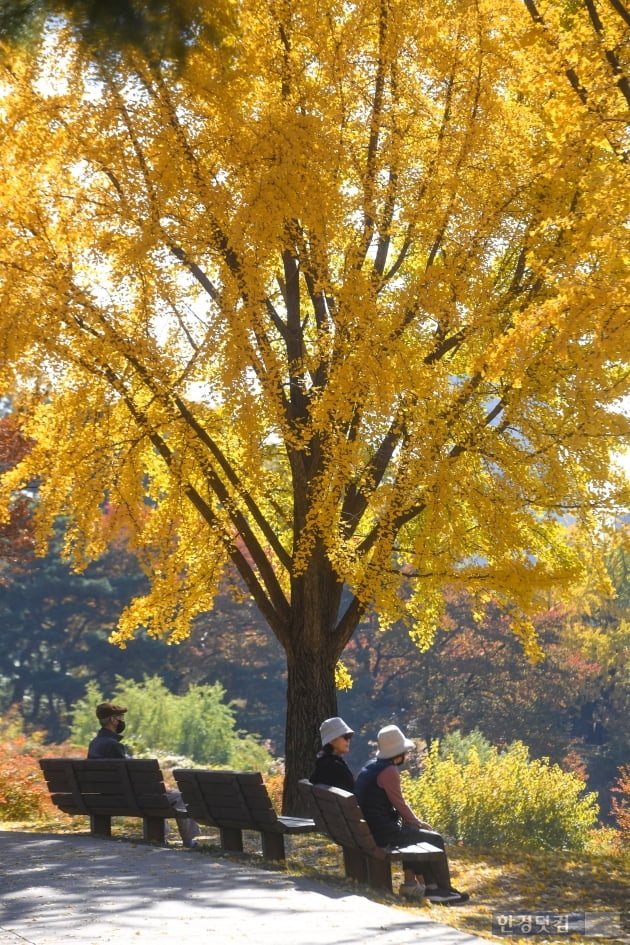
[425,826]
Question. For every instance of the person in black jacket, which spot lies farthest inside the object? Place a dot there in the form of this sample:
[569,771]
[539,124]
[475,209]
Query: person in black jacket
[330,767]
[107,744]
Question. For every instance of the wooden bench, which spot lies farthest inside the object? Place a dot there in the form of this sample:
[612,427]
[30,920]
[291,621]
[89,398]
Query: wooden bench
[337,813]
[112,788]
[234,801]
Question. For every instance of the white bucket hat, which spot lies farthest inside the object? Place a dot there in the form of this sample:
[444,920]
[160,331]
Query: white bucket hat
[392,742]
[330,729]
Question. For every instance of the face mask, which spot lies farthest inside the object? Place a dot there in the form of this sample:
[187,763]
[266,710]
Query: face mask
[120,727]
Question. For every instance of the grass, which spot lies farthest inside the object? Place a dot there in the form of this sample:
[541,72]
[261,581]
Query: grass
[499,883]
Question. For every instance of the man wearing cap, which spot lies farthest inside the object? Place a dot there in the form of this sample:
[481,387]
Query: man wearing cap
[107,741]
[107,744]
[330,766]
[393,823]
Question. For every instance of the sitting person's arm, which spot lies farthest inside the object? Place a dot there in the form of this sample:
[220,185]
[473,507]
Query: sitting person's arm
[389,780]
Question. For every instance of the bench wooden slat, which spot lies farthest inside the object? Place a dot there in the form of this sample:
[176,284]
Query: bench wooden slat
[67,805]
[296,824]
[194,798]
[63,787]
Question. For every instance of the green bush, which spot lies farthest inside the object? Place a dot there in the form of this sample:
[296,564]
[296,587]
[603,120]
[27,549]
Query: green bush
[506,800]
[197,726]
[458,746]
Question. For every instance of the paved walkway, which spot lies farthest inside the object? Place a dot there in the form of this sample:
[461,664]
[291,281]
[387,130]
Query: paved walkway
[77,890]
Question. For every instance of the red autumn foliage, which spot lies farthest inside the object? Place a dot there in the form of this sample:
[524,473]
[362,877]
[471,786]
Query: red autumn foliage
[23,792]
[621,805]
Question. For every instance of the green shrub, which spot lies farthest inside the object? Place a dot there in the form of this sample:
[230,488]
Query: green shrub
[506,800]
[458,746]
[198,725]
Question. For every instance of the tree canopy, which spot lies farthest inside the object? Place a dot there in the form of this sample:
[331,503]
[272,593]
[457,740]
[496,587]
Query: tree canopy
[341,299]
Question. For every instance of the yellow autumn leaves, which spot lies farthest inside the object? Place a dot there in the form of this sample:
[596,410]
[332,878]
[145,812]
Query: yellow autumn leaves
[342,299]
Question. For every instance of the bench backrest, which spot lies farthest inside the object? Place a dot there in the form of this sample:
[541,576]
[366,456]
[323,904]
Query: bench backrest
[338,814]
[236,799]
[123,787]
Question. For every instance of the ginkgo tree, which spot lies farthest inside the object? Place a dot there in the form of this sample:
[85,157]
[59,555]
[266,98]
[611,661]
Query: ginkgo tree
[340,299]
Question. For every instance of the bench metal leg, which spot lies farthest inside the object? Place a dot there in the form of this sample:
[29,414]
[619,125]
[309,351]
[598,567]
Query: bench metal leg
[273,846]
[153,829]
[379,873]
[355,864]
[100,825]
[231,839]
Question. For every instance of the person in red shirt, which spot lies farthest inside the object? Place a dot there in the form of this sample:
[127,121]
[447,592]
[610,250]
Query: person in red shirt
[393,823]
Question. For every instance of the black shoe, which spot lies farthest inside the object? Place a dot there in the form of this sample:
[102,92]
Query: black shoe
[443,896]
[446,897]
[463,897]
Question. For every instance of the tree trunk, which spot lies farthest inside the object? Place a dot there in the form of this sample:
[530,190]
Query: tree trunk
[311,698]
[313,643]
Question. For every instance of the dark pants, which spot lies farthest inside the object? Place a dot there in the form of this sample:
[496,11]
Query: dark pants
[434,871]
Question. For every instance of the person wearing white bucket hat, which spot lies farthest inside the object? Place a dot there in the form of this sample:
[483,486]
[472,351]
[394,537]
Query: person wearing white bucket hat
[392,742]
[393,823]
[330,766]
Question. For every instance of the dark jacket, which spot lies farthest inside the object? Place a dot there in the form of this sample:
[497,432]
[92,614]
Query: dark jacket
[332,770]
[380,814]
[106,744]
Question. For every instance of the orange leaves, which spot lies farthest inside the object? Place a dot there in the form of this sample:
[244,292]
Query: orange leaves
[621,803]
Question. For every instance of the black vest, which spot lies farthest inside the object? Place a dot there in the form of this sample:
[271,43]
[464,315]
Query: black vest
[377,809]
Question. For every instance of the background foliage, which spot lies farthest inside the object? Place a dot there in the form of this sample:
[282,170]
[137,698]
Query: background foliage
[198,725]
[621,807]
[503,799]
[23,791]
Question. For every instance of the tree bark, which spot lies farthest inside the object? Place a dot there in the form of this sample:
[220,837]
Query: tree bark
[313,646]
[311,698]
